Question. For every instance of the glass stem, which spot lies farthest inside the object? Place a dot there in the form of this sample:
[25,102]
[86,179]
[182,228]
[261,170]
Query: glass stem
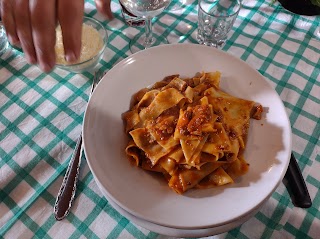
[148,31]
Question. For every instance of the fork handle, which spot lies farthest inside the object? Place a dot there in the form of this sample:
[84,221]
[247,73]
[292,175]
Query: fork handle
[68,187]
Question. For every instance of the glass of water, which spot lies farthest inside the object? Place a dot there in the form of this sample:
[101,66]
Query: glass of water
[147,9]
[215,20]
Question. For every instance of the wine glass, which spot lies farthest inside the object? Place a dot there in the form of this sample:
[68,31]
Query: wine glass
[3,39]
[146,9]
[178,5]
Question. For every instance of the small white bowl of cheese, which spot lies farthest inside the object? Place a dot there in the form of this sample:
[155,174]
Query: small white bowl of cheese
[94,40]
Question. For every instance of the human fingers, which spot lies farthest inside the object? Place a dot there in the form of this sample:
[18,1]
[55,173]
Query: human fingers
[7,16]
[104,7]
[71,27]
[23,29]
[43,18]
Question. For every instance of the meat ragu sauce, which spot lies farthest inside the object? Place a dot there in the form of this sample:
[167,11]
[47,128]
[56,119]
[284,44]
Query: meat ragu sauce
[193,119]
[256,112]
[201,115]
[194,133]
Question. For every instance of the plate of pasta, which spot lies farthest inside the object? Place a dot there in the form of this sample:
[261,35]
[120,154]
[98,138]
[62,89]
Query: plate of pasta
[186,136]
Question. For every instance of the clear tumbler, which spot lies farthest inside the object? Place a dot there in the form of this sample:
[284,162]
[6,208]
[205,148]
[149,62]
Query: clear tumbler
[215,20]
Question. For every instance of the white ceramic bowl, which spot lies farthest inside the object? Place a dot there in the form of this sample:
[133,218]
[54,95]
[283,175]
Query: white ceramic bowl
[148,197]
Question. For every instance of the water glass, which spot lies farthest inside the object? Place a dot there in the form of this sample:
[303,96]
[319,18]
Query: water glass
[215,20]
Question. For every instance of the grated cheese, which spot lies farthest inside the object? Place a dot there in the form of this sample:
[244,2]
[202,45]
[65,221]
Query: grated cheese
[91,44]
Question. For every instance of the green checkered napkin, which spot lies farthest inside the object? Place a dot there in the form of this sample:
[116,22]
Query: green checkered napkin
[41,118]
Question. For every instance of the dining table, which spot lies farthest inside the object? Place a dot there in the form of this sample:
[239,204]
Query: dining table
[41,118]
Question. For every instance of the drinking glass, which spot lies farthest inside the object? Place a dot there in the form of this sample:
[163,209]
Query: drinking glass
[3,40]
[147,9]
[130,19]
[215,20]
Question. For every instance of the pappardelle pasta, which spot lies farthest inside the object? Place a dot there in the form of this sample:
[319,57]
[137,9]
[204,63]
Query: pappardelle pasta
[190,131]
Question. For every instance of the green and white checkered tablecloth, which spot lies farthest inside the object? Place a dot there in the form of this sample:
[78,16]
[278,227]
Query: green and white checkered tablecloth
[41,117]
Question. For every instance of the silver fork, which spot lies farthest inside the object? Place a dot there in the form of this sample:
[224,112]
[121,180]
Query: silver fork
[68,187]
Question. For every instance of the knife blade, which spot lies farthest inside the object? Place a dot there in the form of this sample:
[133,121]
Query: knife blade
[296,185]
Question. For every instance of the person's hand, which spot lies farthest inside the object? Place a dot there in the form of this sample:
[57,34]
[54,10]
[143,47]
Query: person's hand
[31,25]
[103,6]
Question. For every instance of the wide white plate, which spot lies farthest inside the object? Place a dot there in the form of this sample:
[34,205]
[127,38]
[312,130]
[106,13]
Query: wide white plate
[175,232]
[146,196]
